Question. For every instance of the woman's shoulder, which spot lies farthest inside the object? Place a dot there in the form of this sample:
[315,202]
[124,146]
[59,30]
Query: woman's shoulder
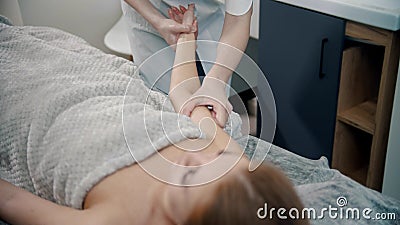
[119,197]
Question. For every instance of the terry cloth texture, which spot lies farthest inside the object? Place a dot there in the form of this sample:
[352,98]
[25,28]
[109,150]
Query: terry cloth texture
[61,104]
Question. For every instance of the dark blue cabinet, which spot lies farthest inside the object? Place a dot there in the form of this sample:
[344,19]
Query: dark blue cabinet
[300,54]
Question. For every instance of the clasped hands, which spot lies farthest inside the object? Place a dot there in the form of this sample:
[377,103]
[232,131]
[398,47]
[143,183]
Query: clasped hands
[212,93]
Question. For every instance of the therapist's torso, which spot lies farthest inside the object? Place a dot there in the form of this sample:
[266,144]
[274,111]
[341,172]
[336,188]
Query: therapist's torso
[210,17]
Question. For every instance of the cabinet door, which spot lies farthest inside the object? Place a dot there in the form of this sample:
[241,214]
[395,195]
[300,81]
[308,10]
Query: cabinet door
[300,54]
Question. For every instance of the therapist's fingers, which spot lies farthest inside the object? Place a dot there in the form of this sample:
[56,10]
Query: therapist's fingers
[170,30]
[176,10]
[182,8]
[221,114]
[218,112]
[171,14]
[178,15]
[188,107]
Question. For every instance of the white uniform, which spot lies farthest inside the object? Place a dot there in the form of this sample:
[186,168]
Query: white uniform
[145,40]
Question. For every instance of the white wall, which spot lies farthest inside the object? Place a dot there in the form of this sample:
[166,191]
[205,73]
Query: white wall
[391,181]
[89,19]
[255,20]
[10,9]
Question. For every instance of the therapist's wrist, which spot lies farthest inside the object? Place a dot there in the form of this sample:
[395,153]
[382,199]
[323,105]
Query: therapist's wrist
[158,23]
[214,83]
[220,73]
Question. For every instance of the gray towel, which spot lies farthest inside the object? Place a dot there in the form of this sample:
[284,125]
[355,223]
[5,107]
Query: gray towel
[61,104]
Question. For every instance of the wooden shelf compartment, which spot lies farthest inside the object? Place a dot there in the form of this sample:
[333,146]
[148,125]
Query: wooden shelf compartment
[360,75]
[359,85]
[361,116]
[352,152]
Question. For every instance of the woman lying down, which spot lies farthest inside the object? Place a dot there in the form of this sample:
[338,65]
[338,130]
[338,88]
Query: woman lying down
[60,149]
[64,157]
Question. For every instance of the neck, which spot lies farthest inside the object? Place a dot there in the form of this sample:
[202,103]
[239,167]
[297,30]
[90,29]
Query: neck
[152,213]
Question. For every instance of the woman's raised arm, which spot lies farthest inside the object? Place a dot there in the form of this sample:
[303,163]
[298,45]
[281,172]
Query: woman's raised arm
[185,81]
[184,77]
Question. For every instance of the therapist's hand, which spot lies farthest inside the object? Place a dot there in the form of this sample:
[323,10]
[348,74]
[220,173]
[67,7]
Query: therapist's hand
[185,16]
[170,30]
[211,93]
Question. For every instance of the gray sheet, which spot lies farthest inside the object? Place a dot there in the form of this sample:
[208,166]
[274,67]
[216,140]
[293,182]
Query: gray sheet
[60,100]
[320,188]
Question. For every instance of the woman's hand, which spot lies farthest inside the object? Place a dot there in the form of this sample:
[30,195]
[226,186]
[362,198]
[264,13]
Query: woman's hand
[211,93]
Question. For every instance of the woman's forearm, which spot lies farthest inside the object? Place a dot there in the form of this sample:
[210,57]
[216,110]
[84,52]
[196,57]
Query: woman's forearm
[184,77]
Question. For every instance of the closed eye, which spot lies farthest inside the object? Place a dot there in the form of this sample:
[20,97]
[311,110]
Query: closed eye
[189,173]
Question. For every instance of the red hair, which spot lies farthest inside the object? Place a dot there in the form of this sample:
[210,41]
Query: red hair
[238,199]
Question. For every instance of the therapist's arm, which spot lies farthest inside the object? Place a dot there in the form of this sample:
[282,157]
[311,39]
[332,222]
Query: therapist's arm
[233,41]
[168,28]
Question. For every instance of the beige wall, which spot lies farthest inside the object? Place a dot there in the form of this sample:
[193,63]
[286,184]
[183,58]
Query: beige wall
[89,19]
[10,9]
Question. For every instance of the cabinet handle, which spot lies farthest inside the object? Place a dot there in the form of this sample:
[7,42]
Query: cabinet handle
[321,58]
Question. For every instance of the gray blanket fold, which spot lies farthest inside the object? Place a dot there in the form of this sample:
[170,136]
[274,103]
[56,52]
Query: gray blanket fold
[63,111]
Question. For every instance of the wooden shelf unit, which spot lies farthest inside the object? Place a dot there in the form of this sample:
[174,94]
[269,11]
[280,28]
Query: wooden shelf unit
[368,77]
[361,116]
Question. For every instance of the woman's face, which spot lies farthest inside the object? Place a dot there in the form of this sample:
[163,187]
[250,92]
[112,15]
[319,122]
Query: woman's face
[179,201]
